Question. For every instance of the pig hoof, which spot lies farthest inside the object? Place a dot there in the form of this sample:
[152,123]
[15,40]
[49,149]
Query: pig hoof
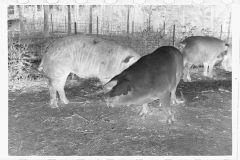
[179,101]
[143,117]
[109,105]
[143,113]
[99,92]
[173,103]
[53,104]
[52,101]
[169,121]
[65,101]
[187,80]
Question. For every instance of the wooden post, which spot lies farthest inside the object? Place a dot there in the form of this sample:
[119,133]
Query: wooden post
[21,19]
[97,26]
[52,23]
[65,24]
[75,27]
[164,28]
[173,34]
[46,25]
[15,10]
[221,32]
[128,14]
[229,27]
[69,20]
[90,20]
[35,17]
[132,28]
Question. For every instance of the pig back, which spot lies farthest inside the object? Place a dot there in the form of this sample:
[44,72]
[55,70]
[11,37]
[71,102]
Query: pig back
[89,56]
[199,49]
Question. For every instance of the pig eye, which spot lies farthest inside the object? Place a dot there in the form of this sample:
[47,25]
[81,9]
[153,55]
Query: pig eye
[126,60]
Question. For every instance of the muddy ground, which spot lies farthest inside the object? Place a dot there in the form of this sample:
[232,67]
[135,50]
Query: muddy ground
[87,127]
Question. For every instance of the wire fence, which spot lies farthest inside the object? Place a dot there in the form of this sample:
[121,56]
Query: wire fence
[98,27]
[143,39]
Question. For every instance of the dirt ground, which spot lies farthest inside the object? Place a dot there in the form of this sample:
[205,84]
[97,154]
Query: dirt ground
[87,127]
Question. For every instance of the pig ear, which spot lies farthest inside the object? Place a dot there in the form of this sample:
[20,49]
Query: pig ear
[128,59]
[226,46]
[182,44]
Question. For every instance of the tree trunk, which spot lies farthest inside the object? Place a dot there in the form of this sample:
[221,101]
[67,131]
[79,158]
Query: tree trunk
[101,18]
[90,19]
[204,18]
[46,25]
[21,19]
[229,27]
[69,19]
[128,14]
[110,15]
[15,10]
[63,11]
[35,16]
[149,21]
[42,10]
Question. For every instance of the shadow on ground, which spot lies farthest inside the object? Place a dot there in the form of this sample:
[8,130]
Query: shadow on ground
[87,126]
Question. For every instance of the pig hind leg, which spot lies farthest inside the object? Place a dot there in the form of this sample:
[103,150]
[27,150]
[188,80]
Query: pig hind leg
[60,89]
[165,103]
[174,99]
[186,75]
[144,110]
[53,94]
[205,65]
[211,65]
[57,84]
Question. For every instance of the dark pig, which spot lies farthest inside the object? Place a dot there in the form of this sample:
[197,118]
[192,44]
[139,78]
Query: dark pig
[154,76]
[197,50]
[86,57]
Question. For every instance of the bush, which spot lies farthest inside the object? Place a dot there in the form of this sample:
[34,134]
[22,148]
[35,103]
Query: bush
[22,63]
[18,60]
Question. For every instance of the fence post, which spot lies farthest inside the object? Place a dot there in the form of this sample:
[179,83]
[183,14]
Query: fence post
[132,28]
[52,23]
[173,34]
[97,26]
[164,28]
[221,32]
[229,27]
[128,16]
[90,21]
[65,24]
[75,27]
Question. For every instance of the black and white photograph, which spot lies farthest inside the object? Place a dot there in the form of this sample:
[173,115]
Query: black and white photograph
[121,80]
